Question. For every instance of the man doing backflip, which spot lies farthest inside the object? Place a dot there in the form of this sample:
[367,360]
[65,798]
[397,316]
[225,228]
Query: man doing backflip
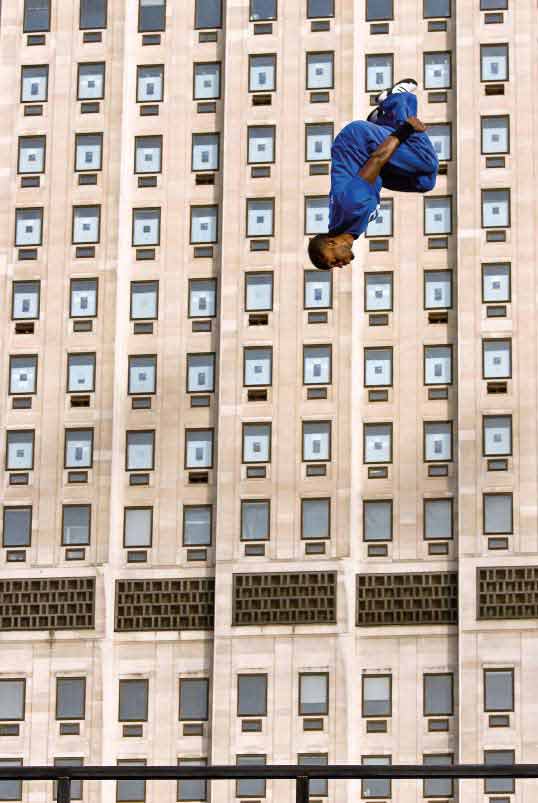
[390,149]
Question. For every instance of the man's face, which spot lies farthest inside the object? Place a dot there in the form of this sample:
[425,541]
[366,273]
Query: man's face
[338,254]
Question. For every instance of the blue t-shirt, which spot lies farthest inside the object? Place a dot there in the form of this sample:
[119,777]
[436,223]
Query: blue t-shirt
[353,202]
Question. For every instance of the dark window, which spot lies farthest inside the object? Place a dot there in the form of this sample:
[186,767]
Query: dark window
[133,706]
[208,14]
[317,787]
[197,525]
[12,699]
[376,695]
[376,787]
[313,693]
[493,5]
[315,518]
[379,10]
[498,690]
[131,791]
[493,786]
[192,790]
[263,10]
[151,15]
[193,699]
[436,8]
[36,15]
[250,787]
[17,531]
[439,787]
[93,14]
[76,525]
[76,786]
[255,520]
[10,790]
[438,695]
[251,695]
[70,698]
[320,8]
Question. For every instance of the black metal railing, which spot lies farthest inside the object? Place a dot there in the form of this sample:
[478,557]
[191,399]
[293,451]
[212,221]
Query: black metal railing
[301,774]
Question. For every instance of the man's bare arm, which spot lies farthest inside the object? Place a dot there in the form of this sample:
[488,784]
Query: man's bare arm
[379,158]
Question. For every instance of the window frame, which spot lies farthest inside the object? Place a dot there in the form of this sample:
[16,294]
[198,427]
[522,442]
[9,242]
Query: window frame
[301,761]
[129,681]
[329,381]
[317,17]
[199,429]
[202,64]
[130,762]
[264,781]
[262,19]
[366,274]
[509,780]
[425,780]
[379,348]
[450,273]
[56,698]
[509,669]
[273,218]
[77,504]
[483,191]
[496,340]
[138,137]
[206,27]
[448,124]
[485,416]
[9,432]
[22,137]
[97,241]
[316,123]
[251,56]
[388,780]
[8,679]
[152,517]
[271,126]
[259,347]
[325,711]
[139,356]
[388,462]
[33,30]
[205,243]
[89,134]
[374,502]
[26,356]
[214,280]
[450,347]
[249,273]
[88,64]
[13,762]
[187,367]
[451,70]
[41,217]
[157,209]
[327,459]
[436,16]
[308,198]
[331,288]
[510,495]
[91,430]
[46,69]
[201,134]
[186,507]
[138,68]
[390,57]
[450,500]
[73,279]
[15,282]
[451,205]
[425,423]
[138,282]
[93,28]
[153,450]
[5,509]
[310,53]
[377,675]
[191,761]
[495,80]
[438,674]
[504,8]
[508,138]
[70,354]
[483,268]
[268,424]
[266,696]
[153,30]
[329,520]
[241,520]
[369,18]
[206,680]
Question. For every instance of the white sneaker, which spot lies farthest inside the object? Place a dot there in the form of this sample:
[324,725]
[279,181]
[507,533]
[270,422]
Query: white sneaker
[407,85]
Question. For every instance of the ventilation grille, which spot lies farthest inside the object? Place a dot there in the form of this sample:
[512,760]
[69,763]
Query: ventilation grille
[180,604]
[407,599]
[508,592]
[284,599]
[51,603]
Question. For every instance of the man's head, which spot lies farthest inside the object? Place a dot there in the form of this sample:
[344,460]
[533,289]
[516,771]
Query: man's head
[327,251]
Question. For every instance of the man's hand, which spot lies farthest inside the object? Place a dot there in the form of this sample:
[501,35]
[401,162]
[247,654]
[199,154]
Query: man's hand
[417,124]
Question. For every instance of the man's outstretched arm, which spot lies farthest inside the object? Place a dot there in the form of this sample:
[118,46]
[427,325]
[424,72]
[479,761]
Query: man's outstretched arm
[379,158]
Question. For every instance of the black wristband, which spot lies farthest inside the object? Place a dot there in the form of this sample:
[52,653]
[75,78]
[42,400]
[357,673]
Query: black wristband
[403,132]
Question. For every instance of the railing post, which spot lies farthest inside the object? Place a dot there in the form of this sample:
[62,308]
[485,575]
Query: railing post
[301,790]
[64,790]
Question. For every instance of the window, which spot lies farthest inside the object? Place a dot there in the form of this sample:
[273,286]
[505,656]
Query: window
[260,217]
[438,695]
[76,786]
[438,519]
[28,227]
[382,225]
[376,787]
[88,152]
[36,16]
[193,699]
[197,525]
[377,519]
[495,209]
[319,140]
[315,518]
[316,441]
[252,695]
[495,133]
[261,144]
[204,224]
[34,83]
[437,365]
[148,154]
[192,790]
[137,527]
[92,14]
[499,785]
[70,698]
[205,152]
[140,450]
[497,359]
[207,81]
[379,10]
[200,373]
[133,701]
[146,226]
[208,14]
[17,527]
[31,154]
[257,366]
[378,292]
[440,135]
[91,81]
[378,443]
[20,449]
[78,448]
[263,10]
[12,699]
[318,787]
[258,292]
[436,8]
[25,300]
[379,72]
[496,284]
[22,374]
[377,367]
[490,5]
[83,298]
[437,441]
[498,514]
[76,525]
[319,70]
[251,787]
[494,62]
[319,8]
[497,435]
[151,15]
[317,214]
[438,215]
[438,787]
[437,289]
[131,791]
[144,301]
[256,443]
[377,695]
[142,374]
[86,224]
[318,289]
[438,70]
[198,448]
[202,298]
[149,83]
[80,373]
[317,365]
[11,790]
[498,690]
[255,519]
[313,694]
[262,73]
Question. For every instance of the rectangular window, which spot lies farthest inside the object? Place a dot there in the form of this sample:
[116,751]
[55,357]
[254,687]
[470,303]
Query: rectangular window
[440,135]
[149,83]
[34,83]
[382,225]
[495,209]
[252,695]
[200,373]
[493,5]
[496,282]
[198,448]
[313,694]
[11,790]
[495,134]
[497,435]
[437,365]
[93,14]
[316,441]
[497,359]
[263,10]
[438,787]
[140,450]
[31,154]
[377,367]
[379,10]
[317,787]
[438,519]
[437,289]
[377,443]
[376,787]
[318,289]
[144,301]
[377,519]
[78,448]
[319,8]
[498,690]
[438,695]
[76,525]
[193,699]
[20,449]
[205,152]
[255,519]
[146,227]
[137,527]
[498,514]
[17,527]
[70,698]
[133,701]
[378,293]
[148,154]
[257,367]
[320,70]
[131,791]
[83,298]
[250,787]
[319,140]
[493,786]
[22,374]
[151,15]
[317,365]
[12,699]
[204,224]
[438,215]
[25,300]
[192,790]
[438,70]
[197,525]
[86,224]
[379,71]
[261,144]
[494,62]
[315,518]
[437,441]
[36,16]
[202,298]
[80,373]
[262,73]
[258,292]
[28,227]
[256,443]
[317,214]
[91,81]
[436,8]
[76,786]
[88,152]
[208,14]
[260,217]
[377,695]
[207,81]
